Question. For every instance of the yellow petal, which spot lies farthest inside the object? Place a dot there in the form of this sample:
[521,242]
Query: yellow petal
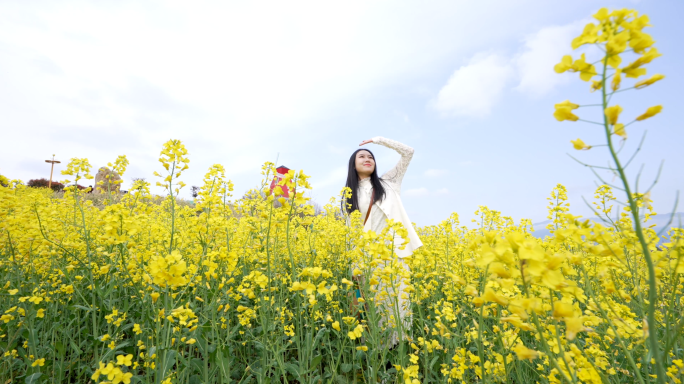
[634,72]
[612,113]
[525,353]
[602,14]
[579,144]
[619,130]
[573,325]
[647,82]
[564,65]
[564,111]
[650,112]
[617,78]
[561,309]
[566,104]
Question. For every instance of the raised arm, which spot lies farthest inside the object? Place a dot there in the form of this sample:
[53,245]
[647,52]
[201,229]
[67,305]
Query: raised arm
[396,174]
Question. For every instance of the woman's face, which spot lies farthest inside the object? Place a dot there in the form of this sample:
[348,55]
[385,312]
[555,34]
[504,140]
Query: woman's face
[365,164]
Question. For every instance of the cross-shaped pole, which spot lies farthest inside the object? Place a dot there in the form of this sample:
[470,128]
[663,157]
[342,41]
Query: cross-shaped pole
[52,168]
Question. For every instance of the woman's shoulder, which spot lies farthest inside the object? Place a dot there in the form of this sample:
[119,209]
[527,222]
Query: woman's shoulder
[391,184]
[392,179]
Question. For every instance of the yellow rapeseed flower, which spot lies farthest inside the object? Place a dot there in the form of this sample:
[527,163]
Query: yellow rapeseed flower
[650,112]
[612,113]
[124,378]
[561,309]
[99,371]
[573,325]
[617,78]
[589,36]
[490,295]
[168,270]
[649,81]
[349,320]
[579,144]
[525,353]
[564,65]
[619,129]
[356,332]
[124,360]
[586,70]
[564,111]
[38,362]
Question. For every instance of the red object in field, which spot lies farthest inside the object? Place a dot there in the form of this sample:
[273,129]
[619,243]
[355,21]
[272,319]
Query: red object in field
[280,172]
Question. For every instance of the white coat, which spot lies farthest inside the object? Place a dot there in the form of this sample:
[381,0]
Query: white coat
[391,205]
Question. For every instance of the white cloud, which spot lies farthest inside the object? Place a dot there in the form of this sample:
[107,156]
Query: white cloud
[417,192]
[436,172]
[226,78]
[473,89]
[442,191]
[237,83]
[543,50]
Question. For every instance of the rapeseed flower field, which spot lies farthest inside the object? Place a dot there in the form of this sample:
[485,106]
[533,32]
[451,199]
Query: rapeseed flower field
[144,290]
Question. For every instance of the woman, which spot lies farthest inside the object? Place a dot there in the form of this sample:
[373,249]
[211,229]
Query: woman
[382,197]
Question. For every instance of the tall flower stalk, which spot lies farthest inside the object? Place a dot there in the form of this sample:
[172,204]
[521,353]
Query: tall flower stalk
[619,33]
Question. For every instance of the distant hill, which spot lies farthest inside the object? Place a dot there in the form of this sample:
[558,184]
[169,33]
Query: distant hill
[659,220]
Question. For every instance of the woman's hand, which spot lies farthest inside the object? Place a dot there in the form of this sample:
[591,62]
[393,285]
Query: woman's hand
[366,142]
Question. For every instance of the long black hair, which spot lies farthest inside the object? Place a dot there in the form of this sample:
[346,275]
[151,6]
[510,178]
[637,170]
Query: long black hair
[353,184]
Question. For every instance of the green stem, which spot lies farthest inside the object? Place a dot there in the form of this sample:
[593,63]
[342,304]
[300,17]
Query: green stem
[652,292]
[173,207]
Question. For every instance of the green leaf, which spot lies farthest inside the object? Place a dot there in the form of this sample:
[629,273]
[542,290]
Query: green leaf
[59,346]
[434,360]
[75,347]
[211,348]
[320,334]
[223,357]
[32,379]
[315,362]
[126,327]
[169,361]
[198,364]
[293,369]
[346,367]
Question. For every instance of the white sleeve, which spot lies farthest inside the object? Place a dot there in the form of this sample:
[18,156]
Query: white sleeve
[396,174]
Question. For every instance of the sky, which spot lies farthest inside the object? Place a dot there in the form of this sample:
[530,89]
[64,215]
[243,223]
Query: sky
[469,85]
